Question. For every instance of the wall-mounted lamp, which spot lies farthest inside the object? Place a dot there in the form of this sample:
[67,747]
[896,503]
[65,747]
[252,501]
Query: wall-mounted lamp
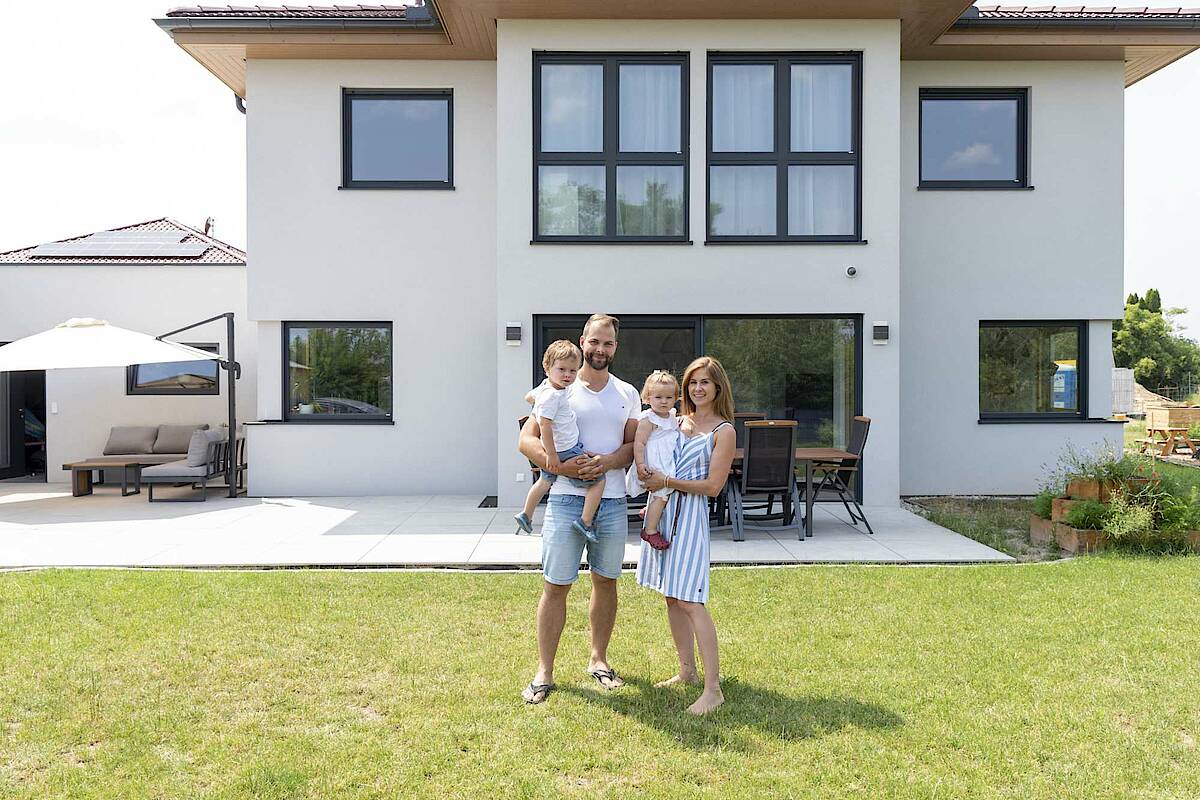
[879,333]
[512,334]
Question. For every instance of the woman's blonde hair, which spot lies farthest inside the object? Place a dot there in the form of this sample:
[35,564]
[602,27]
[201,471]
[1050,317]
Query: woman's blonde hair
[660,377]
[723,402]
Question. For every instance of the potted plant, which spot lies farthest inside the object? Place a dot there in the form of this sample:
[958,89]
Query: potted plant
[1041,526]
[1082,530]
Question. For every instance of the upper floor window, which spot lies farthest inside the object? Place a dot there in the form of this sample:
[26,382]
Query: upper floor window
[610,144]
[175,377]
[337,371]
[1032,370]
[974,139]
[397,139]
[784,142]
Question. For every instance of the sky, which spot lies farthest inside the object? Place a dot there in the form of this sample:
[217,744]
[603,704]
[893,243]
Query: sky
[105,122]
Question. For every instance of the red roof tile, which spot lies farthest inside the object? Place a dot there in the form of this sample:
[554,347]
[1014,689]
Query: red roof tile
[1083,12]
[293,12]
[217,252]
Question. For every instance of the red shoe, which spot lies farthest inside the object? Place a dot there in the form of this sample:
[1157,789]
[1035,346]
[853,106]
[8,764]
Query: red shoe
[655,540]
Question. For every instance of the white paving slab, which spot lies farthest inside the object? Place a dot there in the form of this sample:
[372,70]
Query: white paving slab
[42,525]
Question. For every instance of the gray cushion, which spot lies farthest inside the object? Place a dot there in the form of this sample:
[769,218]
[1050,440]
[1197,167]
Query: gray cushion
[130,440]
[175,438]
[179,469]
[197,452]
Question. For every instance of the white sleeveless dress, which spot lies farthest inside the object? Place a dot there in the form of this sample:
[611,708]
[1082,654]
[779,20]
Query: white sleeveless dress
[660,452]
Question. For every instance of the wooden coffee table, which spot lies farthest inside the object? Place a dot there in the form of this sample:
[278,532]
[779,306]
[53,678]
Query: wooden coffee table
[81,475]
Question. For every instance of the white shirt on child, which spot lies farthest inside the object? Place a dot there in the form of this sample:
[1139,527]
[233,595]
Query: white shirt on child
[601,418]
[552,404]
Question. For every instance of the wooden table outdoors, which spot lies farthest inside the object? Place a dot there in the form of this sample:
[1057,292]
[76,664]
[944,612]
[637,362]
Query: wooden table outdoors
[810,456]
[1167,440]
[81,475]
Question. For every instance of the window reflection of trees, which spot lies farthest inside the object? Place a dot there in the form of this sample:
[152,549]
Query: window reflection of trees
[350,369]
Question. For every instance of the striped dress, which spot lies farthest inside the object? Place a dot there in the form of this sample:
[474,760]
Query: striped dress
[681,571]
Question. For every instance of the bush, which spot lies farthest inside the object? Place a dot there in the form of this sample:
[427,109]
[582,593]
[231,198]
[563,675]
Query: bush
[1179,514]
[1043,504]
[1087,515]
[1194,431]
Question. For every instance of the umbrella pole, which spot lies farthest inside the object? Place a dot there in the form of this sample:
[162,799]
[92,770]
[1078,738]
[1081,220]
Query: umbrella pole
[234,369]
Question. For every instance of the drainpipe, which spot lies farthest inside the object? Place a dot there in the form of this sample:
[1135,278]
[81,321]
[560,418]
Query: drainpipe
[241,104]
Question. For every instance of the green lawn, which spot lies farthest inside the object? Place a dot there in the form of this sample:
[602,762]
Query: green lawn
[1070,679]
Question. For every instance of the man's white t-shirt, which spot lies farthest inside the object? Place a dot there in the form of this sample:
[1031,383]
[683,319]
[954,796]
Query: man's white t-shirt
[601,418]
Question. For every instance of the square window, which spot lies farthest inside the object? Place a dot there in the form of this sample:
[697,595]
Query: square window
[610,147]
[784,148]
[1032,369]
[973,139]
[175,377]
[400,139]
[338,372]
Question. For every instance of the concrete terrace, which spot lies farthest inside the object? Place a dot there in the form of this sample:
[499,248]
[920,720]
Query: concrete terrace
[42,525]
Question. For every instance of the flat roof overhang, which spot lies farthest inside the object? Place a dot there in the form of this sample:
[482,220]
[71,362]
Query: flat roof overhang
[942,30]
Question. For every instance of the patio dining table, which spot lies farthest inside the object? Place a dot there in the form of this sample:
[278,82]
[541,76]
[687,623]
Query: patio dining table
[809,456]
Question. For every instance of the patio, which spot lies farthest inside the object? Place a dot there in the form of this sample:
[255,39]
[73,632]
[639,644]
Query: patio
[42,525]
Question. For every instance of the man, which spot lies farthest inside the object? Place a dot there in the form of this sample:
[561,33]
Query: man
[606,409]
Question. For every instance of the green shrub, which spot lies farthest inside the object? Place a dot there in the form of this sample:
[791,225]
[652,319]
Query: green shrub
[1194,431]
[1177,514]
[1043,504]
[1127,520]
[1087,515]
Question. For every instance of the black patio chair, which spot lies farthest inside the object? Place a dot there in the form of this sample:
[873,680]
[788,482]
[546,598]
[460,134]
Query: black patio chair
[836,477]
[768,468]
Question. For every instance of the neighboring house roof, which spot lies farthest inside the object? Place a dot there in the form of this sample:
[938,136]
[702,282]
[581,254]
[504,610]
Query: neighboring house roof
[194,248]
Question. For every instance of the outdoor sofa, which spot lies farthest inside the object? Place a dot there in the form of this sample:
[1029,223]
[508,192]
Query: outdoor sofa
[207,458]
[149,444]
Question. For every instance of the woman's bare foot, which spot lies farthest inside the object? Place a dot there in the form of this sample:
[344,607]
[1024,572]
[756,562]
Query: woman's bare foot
[707,703]
[688,679]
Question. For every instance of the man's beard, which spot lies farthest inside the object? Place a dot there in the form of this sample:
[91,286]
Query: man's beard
[598,361]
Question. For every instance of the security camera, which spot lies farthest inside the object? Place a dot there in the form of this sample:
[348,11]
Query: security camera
[851,272]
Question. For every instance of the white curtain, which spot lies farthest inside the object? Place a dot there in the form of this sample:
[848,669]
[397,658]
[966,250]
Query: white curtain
[743,108]
[649,108]
[742,201]
[572,108]
[821,200]
[820,116]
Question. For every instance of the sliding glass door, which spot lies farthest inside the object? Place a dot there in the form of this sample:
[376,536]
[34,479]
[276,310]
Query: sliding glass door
[805,368]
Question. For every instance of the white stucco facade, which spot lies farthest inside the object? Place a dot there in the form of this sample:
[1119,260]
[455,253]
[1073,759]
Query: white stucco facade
[448,269]
[1053,252]
[84,404]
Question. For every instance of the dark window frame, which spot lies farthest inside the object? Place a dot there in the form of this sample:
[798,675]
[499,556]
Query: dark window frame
[1081,374]
[348,96]
[131,388]
[331,419]
[610,156]
[782,156]
[1020,95]
[544,322]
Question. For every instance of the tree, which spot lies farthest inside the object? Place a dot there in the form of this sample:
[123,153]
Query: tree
[1148,340]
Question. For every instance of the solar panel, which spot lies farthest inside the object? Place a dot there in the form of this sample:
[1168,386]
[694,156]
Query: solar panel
[117,244]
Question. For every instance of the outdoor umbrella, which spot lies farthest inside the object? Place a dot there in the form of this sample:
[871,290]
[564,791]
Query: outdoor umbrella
[79,343]
[83,342]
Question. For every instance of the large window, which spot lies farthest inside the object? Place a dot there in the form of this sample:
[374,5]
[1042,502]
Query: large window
[397,139]
[610,148]
[801,368]
[337,371]
[784,148]
[1032,370]
[974,139]
[175,377]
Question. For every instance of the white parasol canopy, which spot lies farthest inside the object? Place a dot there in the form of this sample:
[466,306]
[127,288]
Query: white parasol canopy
[84,342]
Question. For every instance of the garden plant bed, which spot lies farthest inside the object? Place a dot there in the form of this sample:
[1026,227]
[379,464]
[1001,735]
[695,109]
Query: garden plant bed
[840,682]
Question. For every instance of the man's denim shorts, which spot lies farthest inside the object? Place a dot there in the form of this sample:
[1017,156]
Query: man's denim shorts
[564,456]
[562,547]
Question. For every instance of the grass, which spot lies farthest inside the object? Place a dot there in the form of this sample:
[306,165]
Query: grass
[1001,523]
[1071,679]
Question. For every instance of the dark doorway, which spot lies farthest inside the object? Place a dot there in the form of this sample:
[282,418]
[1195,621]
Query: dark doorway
[23,426]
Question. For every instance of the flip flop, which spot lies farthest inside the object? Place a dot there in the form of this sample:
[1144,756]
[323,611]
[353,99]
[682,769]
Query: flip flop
[610,675]
[536,693]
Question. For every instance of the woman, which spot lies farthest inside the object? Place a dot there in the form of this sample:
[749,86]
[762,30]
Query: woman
[680,572]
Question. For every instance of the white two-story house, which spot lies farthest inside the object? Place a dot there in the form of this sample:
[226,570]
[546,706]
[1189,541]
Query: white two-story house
[909,210]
